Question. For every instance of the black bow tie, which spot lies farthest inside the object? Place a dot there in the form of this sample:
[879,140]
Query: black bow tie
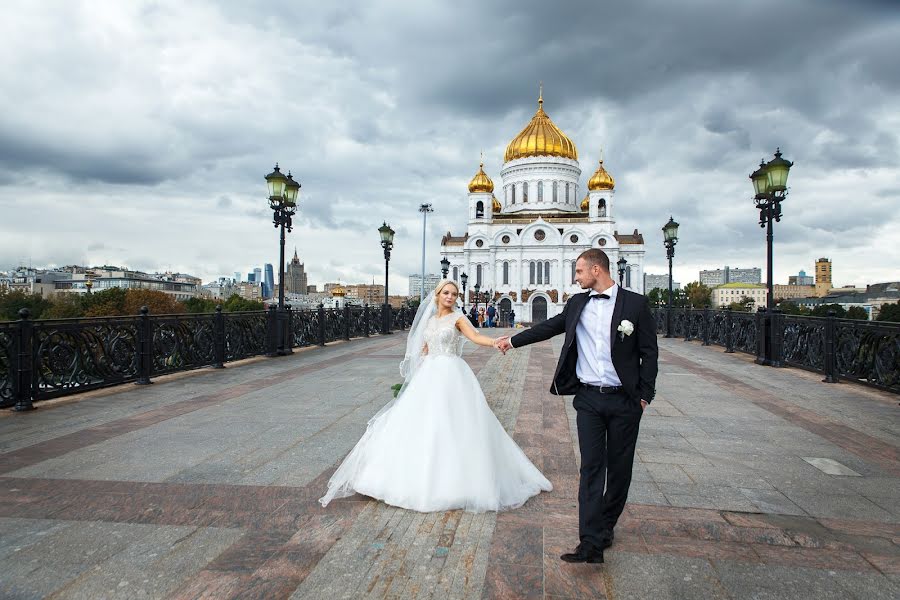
[598,296]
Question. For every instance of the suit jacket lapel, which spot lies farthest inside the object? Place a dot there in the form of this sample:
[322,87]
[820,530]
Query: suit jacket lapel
[616,318]
[575,316]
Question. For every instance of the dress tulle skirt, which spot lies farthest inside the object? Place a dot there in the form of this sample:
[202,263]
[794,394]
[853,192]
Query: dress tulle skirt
[439,447]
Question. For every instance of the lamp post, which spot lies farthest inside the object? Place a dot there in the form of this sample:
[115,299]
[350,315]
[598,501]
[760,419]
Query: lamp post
[770,185]
[387,242]
[424,209]
[283,192]
[621,263]
[464,279]
[670,238]
[477,289]
[445,267]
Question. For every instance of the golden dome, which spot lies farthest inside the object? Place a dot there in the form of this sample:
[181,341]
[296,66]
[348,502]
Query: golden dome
[541,137]
[481,182]
[495,204]
[338,292]
[585,204]
[601,180]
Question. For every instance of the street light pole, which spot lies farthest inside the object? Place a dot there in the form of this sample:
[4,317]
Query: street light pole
[622,264]
[445,267]
[477,289]
[770,185]
[283,192]
[424,209]
[670,238]
[464,279]
[387,242]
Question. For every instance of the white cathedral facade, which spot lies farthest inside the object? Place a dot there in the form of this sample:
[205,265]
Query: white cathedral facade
[522,246]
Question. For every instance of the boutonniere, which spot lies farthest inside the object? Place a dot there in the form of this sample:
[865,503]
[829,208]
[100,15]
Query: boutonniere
[626,327]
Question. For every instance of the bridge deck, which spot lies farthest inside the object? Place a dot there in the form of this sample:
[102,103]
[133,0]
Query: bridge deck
[750,482]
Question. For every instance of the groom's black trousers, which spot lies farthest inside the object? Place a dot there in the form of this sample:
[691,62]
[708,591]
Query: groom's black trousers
[607,433]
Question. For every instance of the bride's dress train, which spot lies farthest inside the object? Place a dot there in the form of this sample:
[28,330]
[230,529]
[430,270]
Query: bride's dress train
[439,446]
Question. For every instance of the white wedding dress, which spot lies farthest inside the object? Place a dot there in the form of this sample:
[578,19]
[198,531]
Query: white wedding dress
[439,446]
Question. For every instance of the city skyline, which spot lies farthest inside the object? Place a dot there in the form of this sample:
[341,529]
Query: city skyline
[162,133]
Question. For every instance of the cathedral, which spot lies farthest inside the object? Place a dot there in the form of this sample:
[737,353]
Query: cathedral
[521,247]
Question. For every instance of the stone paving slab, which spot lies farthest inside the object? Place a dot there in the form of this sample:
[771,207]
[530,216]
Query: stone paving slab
[204,485]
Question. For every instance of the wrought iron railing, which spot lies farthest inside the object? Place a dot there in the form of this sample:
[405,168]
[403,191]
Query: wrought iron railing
[46,359]
[866,352]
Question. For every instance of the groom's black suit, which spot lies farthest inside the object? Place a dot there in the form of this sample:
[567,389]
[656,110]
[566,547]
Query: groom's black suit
[607,422]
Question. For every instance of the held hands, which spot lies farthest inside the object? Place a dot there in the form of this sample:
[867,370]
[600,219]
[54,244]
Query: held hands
[502,344]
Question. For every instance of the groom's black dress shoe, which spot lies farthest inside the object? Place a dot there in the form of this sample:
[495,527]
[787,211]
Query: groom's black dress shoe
[584,553]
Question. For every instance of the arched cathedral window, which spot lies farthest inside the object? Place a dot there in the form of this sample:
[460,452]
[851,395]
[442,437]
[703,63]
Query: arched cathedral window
[573,271]
[525,192]
[513,190]
[531,273]
[455,273]
[479,209]
[567,193]
[478,275]
[556,191]
[602,207]
[505,273]
[540,191]
[547,272]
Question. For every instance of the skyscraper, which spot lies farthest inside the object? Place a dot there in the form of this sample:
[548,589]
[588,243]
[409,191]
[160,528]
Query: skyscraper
[269,281]
[237,277]
[296,276]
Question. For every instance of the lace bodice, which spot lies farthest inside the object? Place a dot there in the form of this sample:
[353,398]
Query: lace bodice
[442,336]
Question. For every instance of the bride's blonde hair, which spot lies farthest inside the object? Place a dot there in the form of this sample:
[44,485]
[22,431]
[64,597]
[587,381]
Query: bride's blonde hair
[441,285]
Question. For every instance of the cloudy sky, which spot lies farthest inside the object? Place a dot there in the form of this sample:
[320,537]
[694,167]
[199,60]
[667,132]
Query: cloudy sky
[138,132]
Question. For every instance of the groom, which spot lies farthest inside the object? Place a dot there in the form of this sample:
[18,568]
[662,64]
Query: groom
[608,362]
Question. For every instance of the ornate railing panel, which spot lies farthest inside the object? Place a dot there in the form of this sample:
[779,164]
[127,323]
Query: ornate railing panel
[694,324]
[679,319]
[304,328]
[182,342]
[375,319]
[334,324]
[659,315]
[745,332]
[71,356]
[868,352]
[718,327]
[7,360]
[804,342]
[245,334]
[358,321]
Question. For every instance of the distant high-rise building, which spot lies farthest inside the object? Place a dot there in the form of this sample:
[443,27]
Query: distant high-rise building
[251,277]
[296,276]
[269,280]
[257,275]
[801,279]
[237,277]
[658,281]
[415,283]
[716,277]
[823,277]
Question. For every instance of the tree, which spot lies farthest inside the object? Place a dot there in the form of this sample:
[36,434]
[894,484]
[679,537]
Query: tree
[792,308]
[65,306]
[857,312]
[890,312]
[159,303]
[107,303]
[655,296]
[200,305]
[12,301]
[745,304]
[698,294]
[235,303]
[823,309]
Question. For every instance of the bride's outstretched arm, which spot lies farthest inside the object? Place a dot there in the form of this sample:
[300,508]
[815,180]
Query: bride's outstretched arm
[473,336]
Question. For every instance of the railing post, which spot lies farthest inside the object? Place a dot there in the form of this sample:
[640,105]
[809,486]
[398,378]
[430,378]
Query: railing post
[366,320]
[831,375]
[286,340]
[687,323]
[272,330]
[321,324]
[145,347]
[776,337]
[23,366]
[761,321]
[347,322]
[729,332]
[706,325]
[219,338]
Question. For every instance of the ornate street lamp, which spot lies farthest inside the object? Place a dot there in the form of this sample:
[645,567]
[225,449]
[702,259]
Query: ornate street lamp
[424,209]
[621,264]
[464,279]
[445,267]
[283,193]
[477,289]
[387,242]
[770,186]
[670,238]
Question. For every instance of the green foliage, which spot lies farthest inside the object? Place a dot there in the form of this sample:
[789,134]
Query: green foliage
[857,312]
[396,388]
[12,301]
[745,304]
[890,312]
[200,305]
[697,294]
[792,308]
[105,303]
[65,306]
[235,303]
[822,310]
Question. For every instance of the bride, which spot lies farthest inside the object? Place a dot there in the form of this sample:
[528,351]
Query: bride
[438,445]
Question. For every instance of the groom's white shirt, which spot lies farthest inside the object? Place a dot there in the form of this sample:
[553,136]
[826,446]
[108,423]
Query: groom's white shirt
[592,334]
